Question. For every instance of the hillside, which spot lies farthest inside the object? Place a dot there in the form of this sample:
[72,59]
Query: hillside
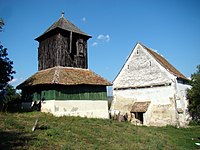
[82,133]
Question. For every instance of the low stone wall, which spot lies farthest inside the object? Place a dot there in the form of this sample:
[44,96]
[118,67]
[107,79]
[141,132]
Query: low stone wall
[82,108]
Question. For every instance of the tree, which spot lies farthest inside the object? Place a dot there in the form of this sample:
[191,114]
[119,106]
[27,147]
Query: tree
[1,24]
[193,95]
[6,68]
[10,97]
[6,75]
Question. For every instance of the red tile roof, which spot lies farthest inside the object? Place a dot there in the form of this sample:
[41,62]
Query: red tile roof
[64,76]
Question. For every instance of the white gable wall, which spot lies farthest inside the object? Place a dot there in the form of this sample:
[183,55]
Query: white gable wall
[141,70]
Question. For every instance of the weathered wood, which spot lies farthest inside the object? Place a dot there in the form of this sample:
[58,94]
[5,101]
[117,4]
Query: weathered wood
[35,125]
[62,49]
[70,48]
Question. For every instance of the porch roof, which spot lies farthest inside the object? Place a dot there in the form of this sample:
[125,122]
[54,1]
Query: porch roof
[140,106]
[64,76]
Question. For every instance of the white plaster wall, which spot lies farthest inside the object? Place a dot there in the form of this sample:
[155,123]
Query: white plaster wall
[182,94]
[181,98]
[48,106]
[157,95]
[160,112]
[141,69]
[82,108]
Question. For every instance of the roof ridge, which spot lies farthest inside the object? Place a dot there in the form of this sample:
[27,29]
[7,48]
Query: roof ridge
[162,61]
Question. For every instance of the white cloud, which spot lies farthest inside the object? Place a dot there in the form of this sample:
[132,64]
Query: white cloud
[83,19]
[94,44]
[13,81]
[102,37]
[107,68]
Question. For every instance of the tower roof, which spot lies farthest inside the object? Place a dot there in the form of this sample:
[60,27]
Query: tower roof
[63,24]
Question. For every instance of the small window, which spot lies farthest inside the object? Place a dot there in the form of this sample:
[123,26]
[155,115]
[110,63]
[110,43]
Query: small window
[80,47]
[137,52]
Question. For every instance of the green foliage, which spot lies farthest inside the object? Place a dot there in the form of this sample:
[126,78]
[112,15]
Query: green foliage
[194,123]
[9,97]
[6,67]
[1,24]
[62,133]
[11,94]
[193,95]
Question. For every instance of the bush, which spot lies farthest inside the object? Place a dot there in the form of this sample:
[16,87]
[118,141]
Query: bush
[10,100]
[194,123]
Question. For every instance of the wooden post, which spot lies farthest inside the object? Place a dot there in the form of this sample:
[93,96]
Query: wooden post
[35,125]
[70,46]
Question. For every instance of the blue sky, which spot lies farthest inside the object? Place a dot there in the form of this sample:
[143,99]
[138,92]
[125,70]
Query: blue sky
[171,27]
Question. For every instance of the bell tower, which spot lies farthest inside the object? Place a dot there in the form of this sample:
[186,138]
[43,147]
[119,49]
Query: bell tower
[62,44]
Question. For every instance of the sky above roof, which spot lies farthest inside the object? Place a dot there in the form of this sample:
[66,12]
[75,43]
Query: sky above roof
[170,27]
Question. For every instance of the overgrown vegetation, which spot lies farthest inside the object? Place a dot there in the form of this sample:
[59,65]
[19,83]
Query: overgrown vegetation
[6,67]
[10,99]
[6,73]
[81,133]
[194,96]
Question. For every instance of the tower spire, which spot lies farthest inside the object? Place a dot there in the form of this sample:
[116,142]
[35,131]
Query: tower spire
[62,14]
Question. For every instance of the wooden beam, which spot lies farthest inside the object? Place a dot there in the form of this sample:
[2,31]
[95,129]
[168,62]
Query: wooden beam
[142,87]
[70,46]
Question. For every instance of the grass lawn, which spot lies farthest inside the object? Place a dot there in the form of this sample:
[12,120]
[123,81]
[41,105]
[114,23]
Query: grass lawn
[60,133]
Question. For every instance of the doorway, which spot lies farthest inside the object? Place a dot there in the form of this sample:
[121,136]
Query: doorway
[139,116]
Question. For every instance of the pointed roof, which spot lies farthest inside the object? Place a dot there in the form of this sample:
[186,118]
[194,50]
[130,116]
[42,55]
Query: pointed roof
[64,76]
[162,61]
[63,24]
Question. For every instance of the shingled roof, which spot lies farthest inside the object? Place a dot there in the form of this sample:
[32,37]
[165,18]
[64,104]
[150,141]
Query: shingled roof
[140,106]
[64,76]
[164,63]
[64,24]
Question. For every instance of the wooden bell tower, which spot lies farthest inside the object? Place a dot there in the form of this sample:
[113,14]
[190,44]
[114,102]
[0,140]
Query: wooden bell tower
[62,44]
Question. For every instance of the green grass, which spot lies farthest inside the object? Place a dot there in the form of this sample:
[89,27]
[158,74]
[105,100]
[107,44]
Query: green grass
[68,133]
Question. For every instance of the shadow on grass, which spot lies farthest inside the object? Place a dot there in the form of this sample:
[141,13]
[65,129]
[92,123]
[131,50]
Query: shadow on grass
[14,140]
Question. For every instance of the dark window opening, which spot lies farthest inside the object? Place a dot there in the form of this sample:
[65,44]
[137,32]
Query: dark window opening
[137,52]
[80,47]
[73,50]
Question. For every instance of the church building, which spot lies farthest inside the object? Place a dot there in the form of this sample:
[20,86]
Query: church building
[151,89]
[63,84]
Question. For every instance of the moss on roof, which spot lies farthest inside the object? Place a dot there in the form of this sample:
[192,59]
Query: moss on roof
[64,76]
